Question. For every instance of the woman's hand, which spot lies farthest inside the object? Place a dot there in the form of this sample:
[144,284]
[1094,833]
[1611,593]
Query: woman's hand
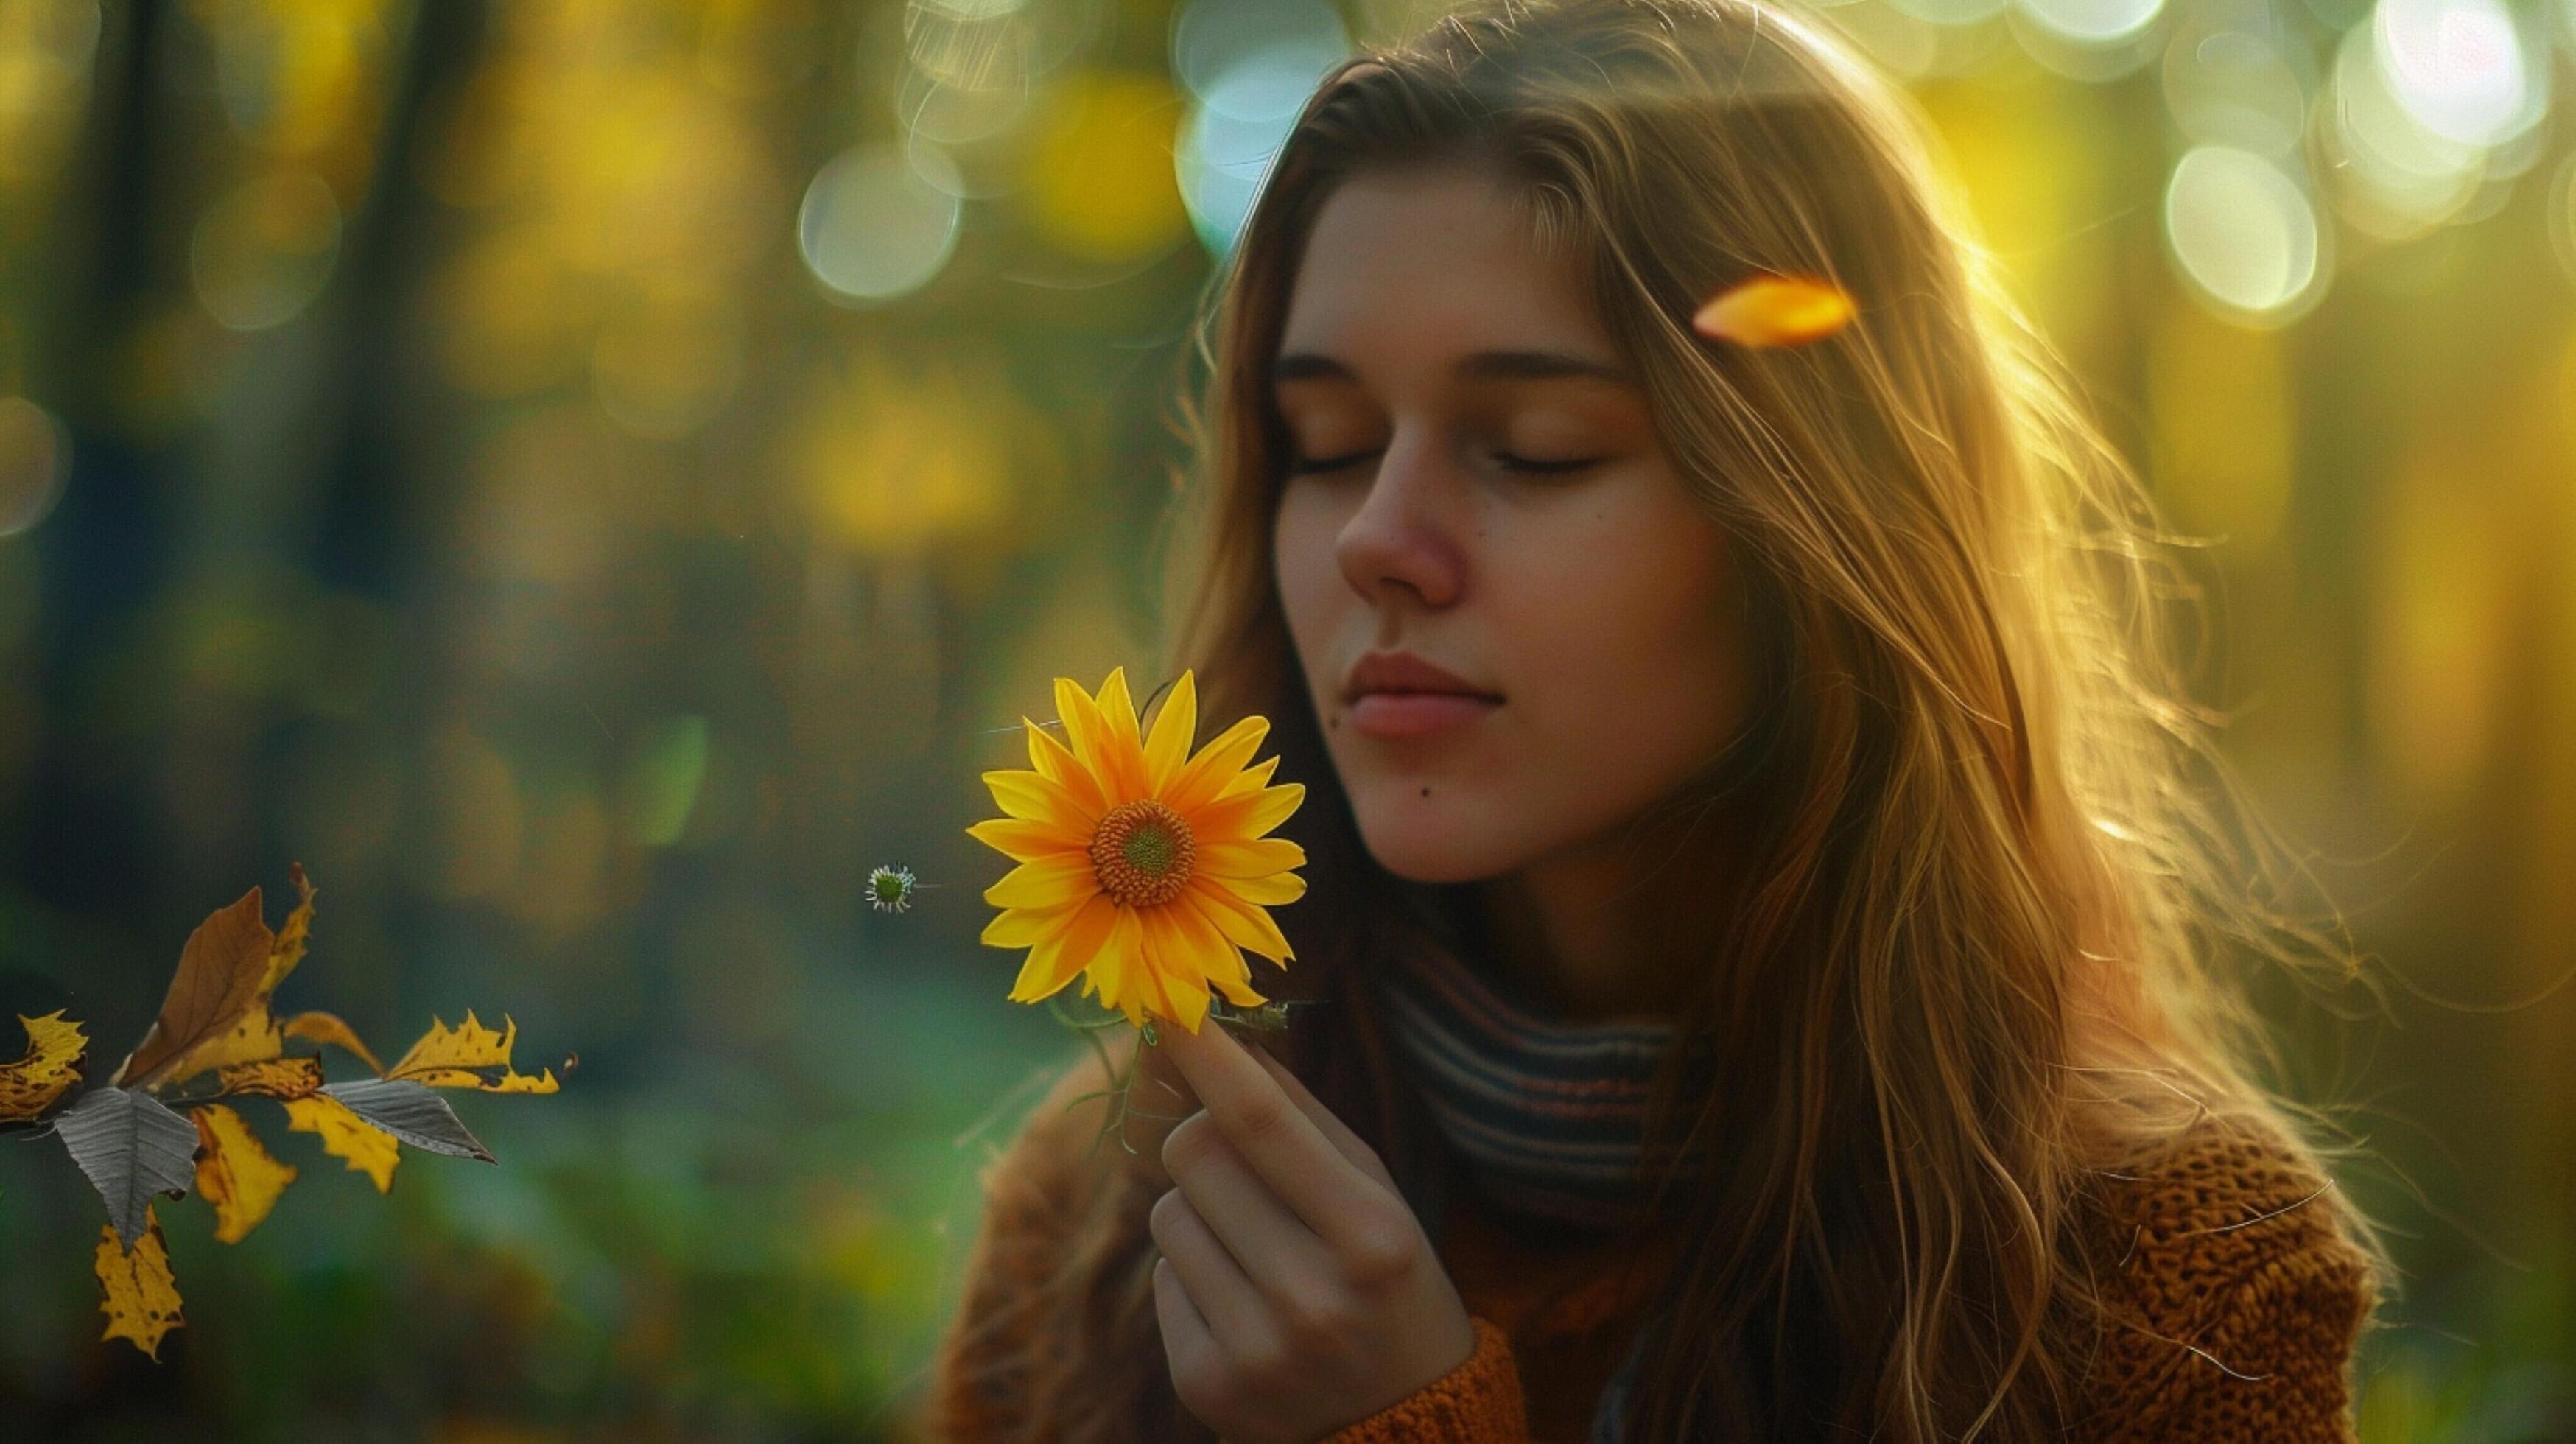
[1297,1292]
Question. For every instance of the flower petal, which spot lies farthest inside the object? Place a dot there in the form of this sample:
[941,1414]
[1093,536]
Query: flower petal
[1028,927]
[1050,882]
[1250,857]
[1222,962]
[1054,962]
[1236,990]
[1088,734]
[1243,924]
[1055,762]
[1118,717]
[1269,892]
[1029,795]
[1120,965]
[1203,776]
[1021,840]
[1247,815]
[1167,747]
[1227,970]
[1178,965]
[1250,779]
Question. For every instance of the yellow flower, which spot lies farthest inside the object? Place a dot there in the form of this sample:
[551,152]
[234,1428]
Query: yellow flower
[1141,867]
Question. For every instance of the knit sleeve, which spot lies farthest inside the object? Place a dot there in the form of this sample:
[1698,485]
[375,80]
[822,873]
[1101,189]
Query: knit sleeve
[1479,1402]
[2232,1301]
[977,1388]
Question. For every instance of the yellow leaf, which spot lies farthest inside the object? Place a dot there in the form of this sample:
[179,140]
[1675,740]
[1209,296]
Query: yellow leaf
[288,948]
[216,1012]
[1768,310]
[446,1057]
[29,1086]
[142,1298]
[272,1077]
[370,1150]
[327,1028]
[253,1038]
[235,1173]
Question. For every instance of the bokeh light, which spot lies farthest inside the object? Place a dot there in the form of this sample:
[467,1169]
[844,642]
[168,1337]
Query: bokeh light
[1249,68]
[2243,232]
[263,252]
[2092,22]
[1099,183]
[2455,65]
[872,227]
[2229,86]
[34,459]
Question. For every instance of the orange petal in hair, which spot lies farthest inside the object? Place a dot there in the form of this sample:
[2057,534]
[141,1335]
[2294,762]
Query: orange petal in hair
[1769,310]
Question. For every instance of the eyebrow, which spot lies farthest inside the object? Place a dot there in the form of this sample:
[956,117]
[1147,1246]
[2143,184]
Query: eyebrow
[1479,366]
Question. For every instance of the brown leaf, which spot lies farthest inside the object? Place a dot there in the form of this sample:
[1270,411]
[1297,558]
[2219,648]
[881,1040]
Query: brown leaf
[53,1064]
[327,1028]
[216,1014]
[273,1077]
[370,1150]
[220,971]
[141,1296]
[235,1173]
[1769,310]
[449,1057]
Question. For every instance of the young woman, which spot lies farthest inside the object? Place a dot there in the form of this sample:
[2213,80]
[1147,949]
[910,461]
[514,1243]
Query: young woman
[1766,917]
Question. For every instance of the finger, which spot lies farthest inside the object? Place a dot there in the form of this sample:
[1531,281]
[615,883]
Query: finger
[1228,1302]
[1353,1147]
[1272,1247]
[1158,1098]
[1334,1196]
[1188,1347]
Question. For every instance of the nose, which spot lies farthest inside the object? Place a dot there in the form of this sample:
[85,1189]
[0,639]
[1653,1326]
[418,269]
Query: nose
[1403,538]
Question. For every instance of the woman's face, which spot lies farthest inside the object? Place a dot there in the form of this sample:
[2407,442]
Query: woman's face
[1474,479]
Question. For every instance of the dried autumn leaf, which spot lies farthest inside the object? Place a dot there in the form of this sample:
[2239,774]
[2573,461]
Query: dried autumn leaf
[132,1148]
[141,1296]
[411,1113]
[272,1077]
[327,1028]
[448,1057]
[368,1149]
[1769,310]
[219,976]
[53,1064]
[216,1012]
[235,1173]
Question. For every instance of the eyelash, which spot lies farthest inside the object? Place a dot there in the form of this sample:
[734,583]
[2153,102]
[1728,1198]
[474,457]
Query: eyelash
[1302,466]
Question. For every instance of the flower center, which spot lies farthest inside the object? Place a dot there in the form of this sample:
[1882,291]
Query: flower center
[1141,853]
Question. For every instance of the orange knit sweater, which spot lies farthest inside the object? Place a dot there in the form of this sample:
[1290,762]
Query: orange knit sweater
[2234,1304]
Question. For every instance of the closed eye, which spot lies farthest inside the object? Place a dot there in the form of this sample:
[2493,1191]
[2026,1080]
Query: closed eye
[1510,462]
[1301,466]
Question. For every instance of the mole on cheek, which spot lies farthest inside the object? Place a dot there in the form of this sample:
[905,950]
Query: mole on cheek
[1426,792]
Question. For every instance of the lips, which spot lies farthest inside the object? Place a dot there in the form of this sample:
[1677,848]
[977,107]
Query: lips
[1408,672]
[1400,694]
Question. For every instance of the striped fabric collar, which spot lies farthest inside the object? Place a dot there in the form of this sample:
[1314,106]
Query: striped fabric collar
[1547,1114]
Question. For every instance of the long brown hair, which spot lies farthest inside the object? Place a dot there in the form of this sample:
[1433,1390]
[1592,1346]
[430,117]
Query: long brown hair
[1979,955]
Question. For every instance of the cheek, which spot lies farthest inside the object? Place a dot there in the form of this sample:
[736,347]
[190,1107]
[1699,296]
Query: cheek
[1303,565]
[1631,642]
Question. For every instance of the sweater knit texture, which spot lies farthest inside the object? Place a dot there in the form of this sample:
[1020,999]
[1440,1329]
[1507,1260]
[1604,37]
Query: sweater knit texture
[2232,1302]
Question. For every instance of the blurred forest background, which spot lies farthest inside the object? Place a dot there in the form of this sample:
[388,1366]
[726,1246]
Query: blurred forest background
[592,480]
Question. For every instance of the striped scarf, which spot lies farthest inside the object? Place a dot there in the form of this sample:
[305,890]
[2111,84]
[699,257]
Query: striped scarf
[1547,1115]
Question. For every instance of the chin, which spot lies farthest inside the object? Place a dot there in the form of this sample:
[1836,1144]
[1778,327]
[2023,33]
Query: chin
[1434,847]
